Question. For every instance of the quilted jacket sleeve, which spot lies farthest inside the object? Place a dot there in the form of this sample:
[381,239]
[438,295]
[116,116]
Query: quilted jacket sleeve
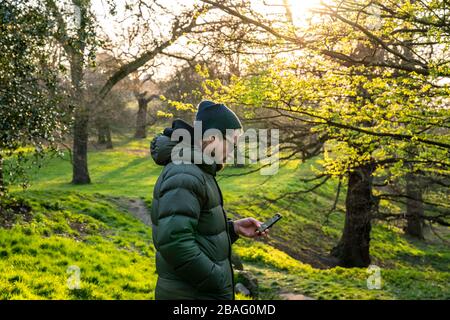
[180,201]
[233,235]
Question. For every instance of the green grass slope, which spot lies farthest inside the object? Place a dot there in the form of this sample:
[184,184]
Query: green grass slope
[66,231]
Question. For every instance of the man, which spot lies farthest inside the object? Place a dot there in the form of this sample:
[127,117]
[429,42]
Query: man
[191,232]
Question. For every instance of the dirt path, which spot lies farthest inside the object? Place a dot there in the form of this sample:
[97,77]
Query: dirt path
[294,296]
[137,207]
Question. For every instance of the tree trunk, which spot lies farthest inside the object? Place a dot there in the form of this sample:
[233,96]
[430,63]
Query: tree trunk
[109,144]
[80,143]
[2,182]
[141,119]
[81,122]
[414,207]
[353,248]
[104,134]
[101,139]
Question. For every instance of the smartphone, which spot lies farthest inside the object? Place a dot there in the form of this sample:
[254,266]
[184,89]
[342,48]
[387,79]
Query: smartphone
[266,225]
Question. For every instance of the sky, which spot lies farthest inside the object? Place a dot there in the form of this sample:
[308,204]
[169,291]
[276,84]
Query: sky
[122,23]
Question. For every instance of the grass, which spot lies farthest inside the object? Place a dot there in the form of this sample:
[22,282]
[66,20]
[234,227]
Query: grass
[82,226]
[71,231]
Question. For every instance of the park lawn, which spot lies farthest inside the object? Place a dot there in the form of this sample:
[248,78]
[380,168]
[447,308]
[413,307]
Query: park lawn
[83,226]
[69,231]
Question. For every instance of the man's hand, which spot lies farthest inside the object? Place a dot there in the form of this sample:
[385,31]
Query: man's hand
[248,228]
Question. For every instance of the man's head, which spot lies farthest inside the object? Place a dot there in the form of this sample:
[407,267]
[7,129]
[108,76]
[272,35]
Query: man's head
[221,129]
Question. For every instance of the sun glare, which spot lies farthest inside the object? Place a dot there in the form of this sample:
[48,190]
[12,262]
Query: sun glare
[301,8]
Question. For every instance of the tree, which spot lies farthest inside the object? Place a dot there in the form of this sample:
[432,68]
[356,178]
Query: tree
[145,90]
[80,41]
[359,91]
[30,95]
[141,117]
[112,111]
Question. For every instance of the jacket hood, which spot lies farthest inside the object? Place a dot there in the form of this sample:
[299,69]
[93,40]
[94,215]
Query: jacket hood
[162,145]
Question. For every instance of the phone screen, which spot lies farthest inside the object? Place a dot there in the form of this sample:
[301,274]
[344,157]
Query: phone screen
[269,222]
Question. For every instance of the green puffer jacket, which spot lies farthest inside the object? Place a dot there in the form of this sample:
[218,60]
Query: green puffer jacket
[191,232]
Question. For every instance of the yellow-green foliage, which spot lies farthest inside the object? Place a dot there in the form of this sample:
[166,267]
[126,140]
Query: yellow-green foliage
[258,252]
[240,296]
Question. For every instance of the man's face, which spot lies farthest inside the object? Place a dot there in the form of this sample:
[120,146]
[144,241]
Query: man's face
[223,147]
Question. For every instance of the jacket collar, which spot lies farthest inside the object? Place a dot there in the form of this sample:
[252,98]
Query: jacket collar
[209,166]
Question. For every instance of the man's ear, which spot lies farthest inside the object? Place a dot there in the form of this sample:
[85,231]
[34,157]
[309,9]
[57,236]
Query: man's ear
[207,141]
[210,139]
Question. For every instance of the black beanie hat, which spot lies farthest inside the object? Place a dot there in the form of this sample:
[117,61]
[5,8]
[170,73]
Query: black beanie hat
[216,116]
